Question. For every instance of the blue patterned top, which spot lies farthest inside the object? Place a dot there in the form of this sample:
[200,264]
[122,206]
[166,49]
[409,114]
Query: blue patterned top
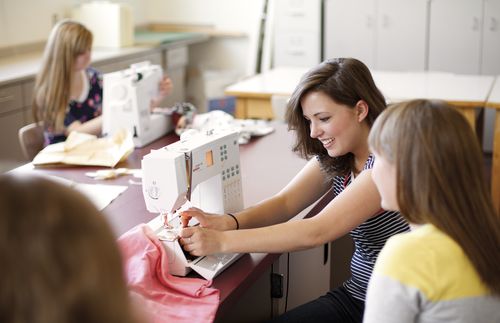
[85,110]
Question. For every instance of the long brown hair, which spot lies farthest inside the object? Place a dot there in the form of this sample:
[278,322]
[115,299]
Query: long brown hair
[67,40]
[440,178]
[59,258]
[346,81]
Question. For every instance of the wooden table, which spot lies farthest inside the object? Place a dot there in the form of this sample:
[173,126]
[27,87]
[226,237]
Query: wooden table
[466,92]
[494,103]
[260,160]
[253,95]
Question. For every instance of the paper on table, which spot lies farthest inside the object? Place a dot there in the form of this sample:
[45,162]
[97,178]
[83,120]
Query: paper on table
[99,194]
[85,149]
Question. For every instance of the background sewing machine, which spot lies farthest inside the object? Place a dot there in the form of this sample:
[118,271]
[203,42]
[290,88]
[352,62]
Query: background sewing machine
[127,96]
[203,168]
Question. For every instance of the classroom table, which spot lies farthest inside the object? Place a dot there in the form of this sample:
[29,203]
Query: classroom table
[466,92]
[494,103]
[253,95]
[267,164]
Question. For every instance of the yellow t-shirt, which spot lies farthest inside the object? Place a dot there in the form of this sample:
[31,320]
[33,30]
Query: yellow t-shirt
[424,276]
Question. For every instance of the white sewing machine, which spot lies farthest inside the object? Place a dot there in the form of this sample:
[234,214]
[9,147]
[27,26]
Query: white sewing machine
[127,98]
[203,168]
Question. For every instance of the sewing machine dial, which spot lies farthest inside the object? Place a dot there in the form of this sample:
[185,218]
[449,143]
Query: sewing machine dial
[153,192]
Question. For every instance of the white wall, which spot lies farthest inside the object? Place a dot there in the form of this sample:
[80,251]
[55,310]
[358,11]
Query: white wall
[232,57]
[29,21]
[237,15]
[241,16]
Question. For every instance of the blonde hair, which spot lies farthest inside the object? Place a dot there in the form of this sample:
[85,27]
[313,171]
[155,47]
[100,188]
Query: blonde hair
[67,40]
[440,178]
[59,258]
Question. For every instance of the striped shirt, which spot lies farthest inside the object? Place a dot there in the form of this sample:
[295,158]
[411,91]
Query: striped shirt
[369,238]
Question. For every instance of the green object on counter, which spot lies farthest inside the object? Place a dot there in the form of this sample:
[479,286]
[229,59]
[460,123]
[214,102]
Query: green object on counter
[152,37]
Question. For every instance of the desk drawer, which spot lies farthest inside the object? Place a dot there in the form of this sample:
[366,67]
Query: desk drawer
[9,142]
[10,98]
[28,88]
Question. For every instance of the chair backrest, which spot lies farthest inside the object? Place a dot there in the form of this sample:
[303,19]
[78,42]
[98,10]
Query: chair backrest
[31,140]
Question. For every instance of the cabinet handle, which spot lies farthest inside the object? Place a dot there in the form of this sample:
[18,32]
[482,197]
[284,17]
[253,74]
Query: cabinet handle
[296,52]
[475,23]
[493,24]
[6,98]
[296,14]
[385,21]
[369,21]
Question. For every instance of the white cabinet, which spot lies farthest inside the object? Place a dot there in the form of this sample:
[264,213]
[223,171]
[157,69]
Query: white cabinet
[383,34]
[28,87]
[401,35]
[455,36]
[490,63]
[465,38]
[306,274]
[297,33]
[12,117]
[350,30]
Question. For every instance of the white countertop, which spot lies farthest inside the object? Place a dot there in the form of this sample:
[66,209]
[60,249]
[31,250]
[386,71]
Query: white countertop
[494,99]
[25,66]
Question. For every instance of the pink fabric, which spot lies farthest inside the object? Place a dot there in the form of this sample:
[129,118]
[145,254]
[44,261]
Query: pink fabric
[165,298]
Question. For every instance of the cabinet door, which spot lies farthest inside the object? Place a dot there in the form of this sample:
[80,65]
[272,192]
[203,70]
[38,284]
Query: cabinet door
[455,36]
[28,87]
[10,123]
[401,35]
[297,33]
[491,61]
[491,38]
[350,30]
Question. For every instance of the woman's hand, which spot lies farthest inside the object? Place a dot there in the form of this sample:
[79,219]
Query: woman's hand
[201,241]
[208,220]
[166,87]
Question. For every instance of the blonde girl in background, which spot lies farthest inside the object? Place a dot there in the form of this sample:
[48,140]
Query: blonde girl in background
[68,92]
[428,166]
